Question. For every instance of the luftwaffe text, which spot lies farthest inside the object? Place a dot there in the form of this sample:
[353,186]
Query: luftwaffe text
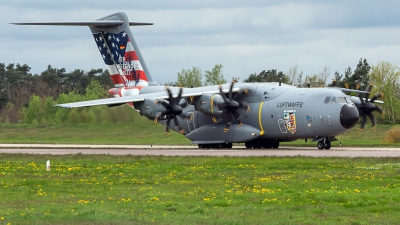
[290,104]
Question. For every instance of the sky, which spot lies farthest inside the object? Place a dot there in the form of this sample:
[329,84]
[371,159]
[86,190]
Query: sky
[246,37]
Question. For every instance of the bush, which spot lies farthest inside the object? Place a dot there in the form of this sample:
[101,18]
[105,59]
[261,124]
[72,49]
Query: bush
[393,135]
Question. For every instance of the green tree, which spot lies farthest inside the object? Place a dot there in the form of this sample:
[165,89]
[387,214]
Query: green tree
[95,91]
[34,112]
[49,109]
[360,77]
[55,80]
[386,78]
[214,76]
[187,78]
[293,75]
[338,79]
[268,76]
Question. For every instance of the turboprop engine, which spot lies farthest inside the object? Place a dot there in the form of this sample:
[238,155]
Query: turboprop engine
[208,104]
[149,108]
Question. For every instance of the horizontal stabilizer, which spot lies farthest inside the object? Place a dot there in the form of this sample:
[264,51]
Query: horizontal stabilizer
[86,23]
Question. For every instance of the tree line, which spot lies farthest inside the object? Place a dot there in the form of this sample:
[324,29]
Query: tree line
[27,98]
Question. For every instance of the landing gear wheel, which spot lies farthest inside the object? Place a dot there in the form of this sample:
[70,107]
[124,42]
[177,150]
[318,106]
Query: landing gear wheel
[267,145]
[229,145]
[327,145]
[321,145]
[275,144]
[248,145]
[257,145]
[221,145]
[201,145]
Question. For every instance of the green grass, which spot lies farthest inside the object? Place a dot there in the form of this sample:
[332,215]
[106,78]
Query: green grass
[138,131]
[105,189]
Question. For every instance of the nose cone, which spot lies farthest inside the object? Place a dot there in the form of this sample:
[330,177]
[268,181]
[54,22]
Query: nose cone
[348,116]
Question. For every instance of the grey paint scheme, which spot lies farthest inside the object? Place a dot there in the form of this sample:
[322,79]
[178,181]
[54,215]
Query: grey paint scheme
[312,117]
[325,117]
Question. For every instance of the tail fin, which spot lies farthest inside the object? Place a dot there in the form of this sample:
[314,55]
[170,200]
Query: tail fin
[117,47]
[120,52]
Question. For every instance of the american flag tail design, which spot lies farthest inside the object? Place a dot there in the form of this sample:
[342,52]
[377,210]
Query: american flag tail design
[119,51]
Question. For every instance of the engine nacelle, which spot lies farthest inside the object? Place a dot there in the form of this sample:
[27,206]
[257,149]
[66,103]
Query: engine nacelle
[149,108]
[208,104]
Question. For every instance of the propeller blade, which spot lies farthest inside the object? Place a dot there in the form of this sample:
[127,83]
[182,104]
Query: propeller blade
[229,119]
[157,117]
[176,121]
[244,105]
[363,121]
[221,106]
[167,125]
[165,104]
[368,89]
[239,118]
[170,98]
[372,118]
[379,109]
[376,96]
[230,91]
[361,99]
[214,119]
[222,94]
[237,96]
[228,125]
[179,97]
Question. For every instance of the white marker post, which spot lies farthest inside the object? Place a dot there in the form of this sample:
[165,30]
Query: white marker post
[48,165]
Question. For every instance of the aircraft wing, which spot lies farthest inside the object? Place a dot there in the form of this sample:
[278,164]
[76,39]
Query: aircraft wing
[187,92]
[353,90]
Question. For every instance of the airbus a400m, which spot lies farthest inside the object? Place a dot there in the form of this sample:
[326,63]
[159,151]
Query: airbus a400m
[261,115]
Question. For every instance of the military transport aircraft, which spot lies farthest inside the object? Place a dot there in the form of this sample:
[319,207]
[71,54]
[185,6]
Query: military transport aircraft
[261,115]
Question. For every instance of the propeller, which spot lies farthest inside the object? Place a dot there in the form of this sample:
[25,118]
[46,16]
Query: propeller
[366,107]
[231,104]
[173,109]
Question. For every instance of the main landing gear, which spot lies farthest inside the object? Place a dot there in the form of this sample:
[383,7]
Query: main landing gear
[262,144]
[220,145]
[324,145]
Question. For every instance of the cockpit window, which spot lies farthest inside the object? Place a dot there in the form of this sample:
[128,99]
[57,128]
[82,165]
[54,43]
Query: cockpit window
[342,100]
[327,99]
[333,100]
[349,100]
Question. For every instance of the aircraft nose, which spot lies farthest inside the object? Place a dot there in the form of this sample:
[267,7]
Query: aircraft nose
[349,116]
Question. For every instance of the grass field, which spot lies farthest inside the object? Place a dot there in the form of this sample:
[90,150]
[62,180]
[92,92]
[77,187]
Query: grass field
[105,189]
[144,131]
